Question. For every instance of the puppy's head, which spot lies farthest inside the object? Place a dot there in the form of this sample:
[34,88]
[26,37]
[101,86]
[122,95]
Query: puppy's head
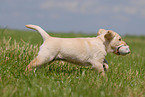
[113,41]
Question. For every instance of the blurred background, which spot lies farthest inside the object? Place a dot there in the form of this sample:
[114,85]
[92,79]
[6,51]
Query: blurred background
[127,17]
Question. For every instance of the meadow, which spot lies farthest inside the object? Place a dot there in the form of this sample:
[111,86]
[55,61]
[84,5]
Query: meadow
[125,77]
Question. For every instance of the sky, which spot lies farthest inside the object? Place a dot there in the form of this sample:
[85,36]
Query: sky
[126,17]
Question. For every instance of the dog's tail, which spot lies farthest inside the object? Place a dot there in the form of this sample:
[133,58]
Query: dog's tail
[40,30]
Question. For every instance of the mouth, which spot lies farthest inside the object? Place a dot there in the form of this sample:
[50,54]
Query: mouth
[122,50]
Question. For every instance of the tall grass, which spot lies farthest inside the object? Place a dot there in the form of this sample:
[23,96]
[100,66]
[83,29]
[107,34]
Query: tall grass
[125,77]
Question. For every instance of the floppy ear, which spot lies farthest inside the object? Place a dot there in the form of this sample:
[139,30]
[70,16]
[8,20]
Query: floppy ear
[109,35]
[101,31]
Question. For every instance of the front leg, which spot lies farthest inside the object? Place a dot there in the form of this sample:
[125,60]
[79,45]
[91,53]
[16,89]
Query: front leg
[105,65]
[99,67]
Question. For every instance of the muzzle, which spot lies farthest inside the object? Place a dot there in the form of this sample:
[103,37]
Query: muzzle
[122,50]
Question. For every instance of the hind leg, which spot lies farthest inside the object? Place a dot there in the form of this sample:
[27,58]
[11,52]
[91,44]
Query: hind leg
[45,55]
[38,62]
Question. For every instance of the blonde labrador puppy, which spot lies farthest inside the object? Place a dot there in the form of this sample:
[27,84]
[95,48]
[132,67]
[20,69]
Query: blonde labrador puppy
[80,51]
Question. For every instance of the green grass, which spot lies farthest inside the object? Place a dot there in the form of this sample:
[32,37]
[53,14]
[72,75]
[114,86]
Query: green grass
[125,77]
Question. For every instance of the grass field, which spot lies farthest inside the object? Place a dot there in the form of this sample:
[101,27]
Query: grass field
[125,77]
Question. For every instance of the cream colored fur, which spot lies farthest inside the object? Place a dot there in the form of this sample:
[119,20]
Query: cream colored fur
[81,51]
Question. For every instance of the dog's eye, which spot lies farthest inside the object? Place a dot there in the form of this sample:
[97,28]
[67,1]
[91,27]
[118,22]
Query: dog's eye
[119,39]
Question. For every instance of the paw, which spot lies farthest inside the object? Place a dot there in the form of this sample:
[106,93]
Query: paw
[105,66]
